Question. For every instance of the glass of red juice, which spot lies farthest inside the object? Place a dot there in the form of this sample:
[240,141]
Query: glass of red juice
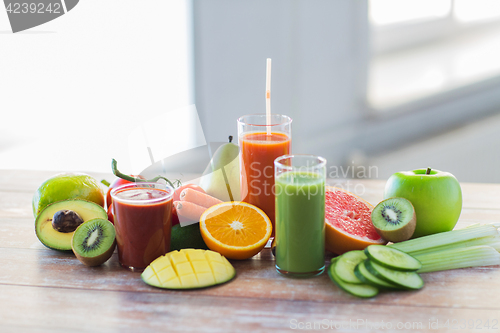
[143,221]
[260,144]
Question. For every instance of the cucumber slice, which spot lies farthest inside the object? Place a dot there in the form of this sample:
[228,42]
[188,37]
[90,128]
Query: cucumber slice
[344,268]
[368,278]
[392,258]
[406,280]
[359,290]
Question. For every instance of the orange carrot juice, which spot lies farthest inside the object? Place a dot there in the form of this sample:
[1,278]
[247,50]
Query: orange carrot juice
[258,152]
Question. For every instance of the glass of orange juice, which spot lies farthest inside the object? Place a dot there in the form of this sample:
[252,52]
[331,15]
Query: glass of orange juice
[261,141]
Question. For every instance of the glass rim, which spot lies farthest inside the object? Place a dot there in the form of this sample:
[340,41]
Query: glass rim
[278,162]
[167,187]
[288,119]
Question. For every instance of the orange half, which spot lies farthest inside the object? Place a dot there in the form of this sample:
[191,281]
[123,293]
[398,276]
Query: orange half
[235,229]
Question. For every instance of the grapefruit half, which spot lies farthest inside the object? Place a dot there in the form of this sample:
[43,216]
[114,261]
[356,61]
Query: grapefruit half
[348,224]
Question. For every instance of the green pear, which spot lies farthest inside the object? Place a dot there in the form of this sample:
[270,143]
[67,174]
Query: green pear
[221,178]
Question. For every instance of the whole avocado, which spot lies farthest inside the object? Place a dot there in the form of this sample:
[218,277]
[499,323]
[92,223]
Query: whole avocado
[65,186]
[187,237]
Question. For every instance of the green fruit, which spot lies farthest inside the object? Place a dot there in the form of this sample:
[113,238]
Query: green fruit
[67,186]
[344,267]
[57,240]
[436,197]
[364,275]
[392,258]
[221,178]
[94,242]
[402,279]
[360,290]
[394,219]
[187,237]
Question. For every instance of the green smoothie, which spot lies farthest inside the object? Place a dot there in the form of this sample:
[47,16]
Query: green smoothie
[300,223]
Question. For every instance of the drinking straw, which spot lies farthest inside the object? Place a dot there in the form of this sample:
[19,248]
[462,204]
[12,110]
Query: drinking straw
[268,96]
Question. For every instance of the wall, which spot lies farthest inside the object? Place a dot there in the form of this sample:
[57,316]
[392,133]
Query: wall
[470,152]
[319,50]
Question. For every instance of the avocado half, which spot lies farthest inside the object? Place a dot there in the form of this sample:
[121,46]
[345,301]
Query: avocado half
[56,240]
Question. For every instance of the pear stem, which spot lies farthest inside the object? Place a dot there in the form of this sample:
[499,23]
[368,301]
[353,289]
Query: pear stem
[138,180]
[428,172]
[230,138]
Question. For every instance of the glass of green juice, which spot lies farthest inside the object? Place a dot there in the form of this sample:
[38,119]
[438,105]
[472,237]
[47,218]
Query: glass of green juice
[300,214]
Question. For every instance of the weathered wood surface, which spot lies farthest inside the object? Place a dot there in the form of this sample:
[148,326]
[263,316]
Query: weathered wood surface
[42,290]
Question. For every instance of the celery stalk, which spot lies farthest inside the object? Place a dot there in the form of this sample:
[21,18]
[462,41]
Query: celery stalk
[458,258]
[444,239]
[475,245]
[493,241]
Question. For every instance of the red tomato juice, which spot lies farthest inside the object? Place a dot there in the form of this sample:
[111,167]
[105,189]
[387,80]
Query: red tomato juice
[258,152]
[143,218]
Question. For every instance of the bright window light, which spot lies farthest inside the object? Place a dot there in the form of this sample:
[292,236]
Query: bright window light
[384,12]
[476,10]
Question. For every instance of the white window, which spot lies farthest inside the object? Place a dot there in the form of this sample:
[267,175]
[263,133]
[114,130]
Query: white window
[81,83]
[422,48]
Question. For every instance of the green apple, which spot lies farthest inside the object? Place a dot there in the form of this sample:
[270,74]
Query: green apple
[436,196]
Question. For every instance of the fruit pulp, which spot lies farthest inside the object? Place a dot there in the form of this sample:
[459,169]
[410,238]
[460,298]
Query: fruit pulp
[300,223]
[237,230]
[258,152]
[188,269]
[347,213]
[348,222]
[143,218]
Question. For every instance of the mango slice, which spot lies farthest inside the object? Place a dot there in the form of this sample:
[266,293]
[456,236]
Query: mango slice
[188,269]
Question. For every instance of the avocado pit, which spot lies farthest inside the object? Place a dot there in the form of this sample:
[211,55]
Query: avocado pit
[66,221]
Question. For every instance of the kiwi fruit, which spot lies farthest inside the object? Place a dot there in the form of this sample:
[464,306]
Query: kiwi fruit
[394,219]
[94,242]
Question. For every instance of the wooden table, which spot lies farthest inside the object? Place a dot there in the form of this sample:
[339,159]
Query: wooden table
[43,290]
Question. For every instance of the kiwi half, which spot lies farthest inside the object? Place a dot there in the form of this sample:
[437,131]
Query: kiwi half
[94,242]
[394,219]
